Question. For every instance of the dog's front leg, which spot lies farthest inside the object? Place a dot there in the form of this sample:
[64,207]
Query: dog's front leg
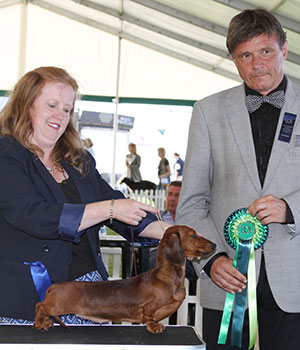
[42,321]
[155,327]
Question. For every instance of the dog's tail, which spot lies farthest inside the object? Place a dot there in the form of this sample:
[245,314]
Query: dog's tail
[58,320]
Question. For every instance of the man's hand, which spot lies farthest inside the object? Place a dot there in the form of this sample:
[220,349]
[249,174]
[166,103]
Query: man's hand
[227,277]
[268,209]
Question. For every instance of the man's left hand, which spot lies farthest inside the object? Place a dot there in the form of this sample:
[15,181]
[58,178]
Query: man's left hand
[268,209]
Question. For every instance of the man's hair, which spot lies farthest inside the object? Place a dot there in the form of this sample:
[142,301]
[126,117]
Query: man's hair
[252,23]
[175,183]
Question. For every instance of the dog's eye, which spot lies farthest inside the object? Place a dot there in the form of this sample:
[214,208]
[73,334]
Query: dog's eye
[194,235]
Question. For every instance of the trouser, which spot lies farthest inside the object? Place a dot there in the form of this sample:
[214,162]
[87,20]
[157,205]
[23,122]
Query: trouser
[278,330]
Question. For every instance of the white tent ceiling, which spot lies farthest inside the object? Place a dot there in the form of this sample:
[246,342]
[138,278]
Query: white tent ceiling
[171,49]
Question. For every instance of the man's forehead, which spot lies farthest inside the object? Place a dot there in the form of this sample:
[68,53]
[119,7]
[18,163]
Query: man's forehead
[174,189]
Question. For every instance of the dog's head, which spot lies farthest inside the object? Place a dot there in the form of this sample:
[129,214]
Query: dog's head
[125,180]
[191,243]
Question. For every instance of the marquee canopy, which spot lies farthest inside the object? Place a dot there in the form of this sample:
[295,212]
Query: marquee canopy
[170,49]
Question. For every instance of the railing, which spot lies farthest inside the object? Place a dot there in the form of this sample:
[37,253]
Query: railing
[155,198]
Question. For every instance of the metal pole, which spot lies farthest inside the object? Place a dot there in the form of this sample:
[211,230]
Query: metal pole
[22,39]
[116,100]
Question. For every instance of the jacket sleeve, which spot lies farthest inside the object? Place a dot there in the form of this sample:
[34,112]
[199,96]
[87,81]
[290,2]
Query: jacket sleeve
[106,192]
[194,203]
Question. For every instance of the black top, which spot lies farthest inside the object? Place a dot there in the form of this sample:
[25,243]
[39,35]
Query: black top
[264,124]
[82,260]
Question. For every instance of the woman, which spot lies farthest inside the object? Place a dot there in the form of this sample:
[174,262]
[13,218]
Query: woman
[163,170]
[133,163]
[53,201]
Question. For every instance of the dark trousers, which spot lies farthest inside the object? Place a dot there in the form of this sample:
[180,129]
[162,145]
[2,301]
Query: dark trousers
[278,330]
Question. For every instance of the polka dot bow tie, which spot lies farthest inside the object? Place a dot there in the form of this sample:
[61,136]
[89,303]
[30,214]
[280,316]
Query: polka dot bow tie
[253,102]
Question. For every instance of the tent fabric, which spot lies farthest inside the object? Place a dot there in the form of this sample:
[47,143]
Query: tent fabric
[170,49]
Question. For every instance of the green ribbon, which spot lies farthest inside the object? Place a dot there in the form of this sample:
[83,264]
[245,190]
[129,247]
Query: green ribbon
[245,234]
[227,309]
[240,298]
[252,299]
[244,261]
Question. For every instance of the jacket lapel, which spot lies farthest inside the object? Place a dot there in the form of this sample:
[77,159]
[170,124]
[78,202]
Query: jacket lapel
[241,128]
[280,147]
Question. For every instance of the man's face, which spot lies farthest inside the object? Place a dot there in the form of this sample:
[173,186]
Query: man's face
[260,62]
[172,198]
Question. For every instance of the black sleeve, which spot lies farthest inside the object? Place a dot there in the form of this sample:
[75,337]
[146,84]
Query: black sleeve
[208,265]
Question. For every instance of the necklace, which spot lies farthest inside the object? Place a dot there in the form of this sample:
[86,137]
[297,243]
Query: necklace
[51,169]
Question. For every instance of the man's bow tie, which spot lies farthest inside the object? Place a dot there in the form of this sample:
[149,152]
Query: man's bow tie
[253,102]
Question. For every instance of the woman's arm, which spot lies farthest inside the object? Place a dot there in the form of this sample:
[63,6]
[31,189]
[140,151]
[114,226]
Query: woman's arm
[128,211]
[154,230]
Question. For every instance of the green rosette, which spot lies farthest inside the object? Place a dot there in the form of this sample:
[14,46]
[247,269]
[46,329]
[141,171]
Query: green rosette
[241,225]
[245,234]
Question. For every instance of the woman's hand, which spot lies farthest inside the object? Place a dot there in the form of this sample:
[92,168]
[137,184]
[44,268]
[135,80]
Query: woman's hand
[130,211]
[126,210]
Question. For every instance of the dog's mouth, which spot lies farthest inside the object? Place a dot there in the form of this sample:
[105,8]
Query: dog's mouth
[202,254]
[205,253]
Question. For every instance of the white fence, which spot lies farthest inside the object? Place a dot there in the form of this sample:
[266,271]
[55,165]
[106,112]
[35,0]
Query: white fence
[156,198]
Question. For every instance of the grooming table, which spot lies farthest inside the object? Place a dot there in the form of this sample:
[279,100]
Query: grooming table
[105,337]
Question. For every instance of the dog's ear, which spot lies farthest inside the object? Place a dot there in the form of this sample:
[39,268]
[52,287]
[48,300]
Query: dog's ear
[173,250]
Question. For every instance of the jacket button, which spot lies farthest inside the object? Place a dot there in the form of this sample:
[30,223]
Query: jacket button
[45,248]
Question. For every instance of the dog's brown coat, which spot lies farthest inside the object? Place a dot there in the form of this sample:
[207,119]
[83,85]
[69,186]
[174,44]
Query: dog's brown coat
[146,298]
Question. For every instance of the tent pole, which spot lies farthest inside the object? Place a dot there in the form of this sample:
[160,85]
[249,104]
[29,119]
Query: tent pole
[115,124]
[22,39]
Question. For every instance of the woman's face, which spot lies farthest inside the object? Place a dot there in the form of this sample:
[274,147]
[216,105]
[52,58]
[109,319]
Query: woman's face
[160,154]
[50,114]
[131,149]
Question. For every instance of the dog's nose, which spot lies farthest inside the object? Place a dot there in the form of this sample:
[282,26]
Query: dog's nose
[210,246]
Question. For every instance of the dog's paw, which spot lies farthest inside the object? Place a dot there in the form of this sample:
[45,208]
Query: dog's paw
[43,325]
[155,327]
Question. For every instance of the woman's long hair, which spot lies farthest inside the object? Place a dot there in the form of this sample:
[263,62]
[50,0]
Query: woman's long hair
[15,117]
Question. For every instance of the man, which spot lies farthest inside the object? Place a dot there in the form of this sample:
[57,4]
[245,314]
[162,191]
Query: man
[172,198]
[240,158]
[178,166]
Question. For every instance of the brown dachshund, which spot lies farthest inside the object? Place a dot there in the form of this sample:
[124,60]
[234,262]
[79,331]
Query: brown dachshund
[146,298]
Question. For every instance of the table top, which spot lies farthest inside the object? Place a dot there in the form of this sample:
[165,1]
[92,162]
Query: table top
[104,336]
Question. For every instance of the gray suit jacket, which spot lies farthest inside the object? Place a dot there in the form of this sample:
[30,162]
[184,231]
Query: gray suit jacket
[220,176]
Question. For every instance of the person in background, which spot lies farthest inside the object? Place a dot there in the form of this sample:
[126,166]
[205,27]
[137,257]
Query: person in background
[243,151]
[172,198]
[163,170]
[133,163]
[88,144]
[178,166]
[53,200]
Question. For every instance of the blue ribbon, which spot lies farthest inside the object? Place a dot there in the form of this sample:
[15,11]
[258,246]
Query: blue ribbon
[40,278]
[240,298]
